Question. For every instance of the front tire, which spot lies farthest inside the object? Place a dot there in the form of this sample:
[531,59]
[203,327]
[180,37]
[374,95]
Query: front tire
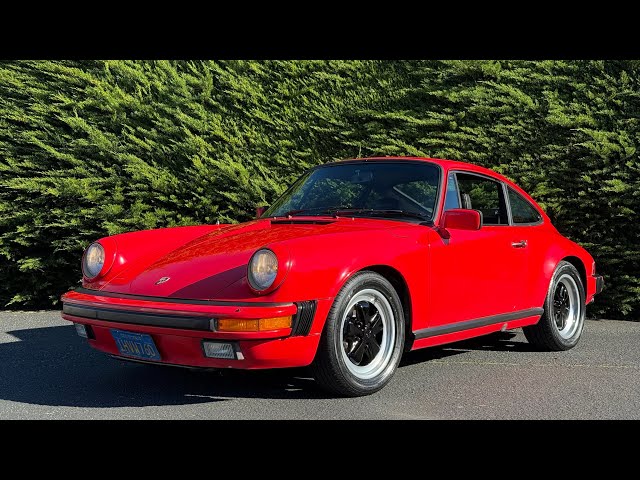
[363,337]
[562,322]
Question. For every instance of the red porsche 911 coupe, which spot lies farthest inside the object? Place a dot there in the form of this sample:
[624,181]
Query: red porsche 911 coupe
[357,262]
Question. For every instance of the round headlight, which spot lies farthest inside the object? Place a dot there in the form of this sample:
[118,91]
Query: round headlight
[263,268]
[93,260]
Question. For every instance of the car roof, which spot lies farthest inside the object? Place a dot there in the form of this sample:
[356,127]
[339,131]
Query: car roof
[446,164]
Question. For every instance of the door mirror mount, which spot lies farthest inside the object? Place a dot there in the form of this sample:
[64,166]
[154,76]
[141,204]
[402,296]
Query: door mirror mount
[260,210]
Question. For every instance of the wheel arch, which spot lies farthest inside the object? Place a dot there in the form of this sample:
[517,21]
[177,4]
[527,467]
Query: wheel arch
[580,266]
[399,283]
[550,257]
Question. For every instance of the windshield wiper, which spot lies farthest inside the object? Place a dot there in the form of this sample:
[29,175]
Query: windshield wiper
[382,213]
[346,210]
[317,210]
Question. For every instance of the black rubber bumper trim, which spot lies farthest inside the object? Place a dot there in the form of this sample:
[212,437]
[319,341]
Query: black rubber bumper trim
[137,318]
[188,301]
[303,319]
[479,322]
[599,283]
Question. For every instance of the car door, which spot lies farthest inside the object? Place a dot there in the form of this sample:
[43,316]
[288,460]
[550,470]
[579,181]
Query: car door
[478,273]
[526,224]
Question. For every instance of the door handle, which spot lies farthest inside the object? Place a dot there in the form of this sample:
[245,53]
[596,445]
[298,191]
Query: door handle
[520,244]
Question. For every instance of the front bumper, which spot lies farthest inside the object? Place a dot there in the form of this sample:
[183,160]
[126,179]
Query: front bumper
[178,327]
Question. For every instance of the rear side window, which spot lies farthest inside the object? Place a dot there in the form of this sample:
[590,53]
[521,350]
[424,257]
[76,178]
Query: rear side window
[484,194]
[521,210]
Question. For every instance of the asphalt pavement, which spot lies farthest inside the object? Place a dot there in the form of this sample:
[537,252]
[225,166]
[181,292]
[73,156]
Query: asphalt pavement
[48,372]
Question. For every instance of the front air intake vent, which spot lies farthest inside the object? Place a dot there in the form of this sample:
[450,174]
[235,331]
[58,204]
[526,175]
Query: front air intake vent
[304,318]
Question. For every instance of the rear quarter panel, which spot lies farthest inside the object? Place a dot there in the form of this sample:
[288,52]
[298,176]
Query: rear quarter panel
[547,248]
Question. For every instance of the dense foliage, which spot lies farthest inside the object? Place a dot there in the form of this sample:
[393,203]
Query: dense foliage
[89,149]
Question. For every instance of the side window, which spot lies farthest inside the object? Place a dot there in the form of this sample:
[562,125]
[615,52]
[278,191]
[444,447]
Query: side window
[484,194]
[521,210]
[451,199]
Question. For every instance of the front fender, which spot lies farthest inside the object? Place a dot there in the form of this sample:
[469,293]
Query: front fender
[319,270]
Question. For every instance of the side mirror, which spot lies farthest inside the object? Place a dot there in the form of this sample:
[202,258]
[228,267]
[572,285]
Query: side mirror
[461,219]
[260,210]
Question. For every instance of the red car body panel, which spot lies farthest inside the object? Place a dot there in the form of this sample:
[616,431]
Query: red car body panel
[453,279]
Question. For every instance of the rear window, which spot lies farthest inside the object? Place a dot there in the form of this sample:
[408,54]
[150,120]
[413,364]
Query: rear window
[521,210]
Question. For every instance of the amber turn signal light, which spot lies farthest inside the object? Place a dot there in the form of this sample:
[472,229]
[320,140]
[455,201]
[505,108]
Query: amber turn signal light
[253,324]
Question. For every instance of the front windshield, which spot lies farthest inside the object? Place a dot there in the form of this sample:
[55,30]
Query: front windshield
[403,190]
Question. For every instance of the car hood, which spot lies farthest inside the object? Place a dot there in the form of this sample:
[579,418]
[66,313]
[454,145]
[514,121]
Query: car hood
[204,267]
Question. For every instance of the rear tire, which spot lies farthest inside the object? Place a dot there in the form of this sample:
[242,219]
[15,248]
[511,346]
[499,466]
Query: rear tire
[363,337]
[562,322]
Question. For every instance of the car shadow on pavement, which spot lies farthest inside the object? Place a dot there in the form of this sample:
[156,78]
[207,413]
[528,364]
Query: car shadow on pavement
[495,342]
[53,366]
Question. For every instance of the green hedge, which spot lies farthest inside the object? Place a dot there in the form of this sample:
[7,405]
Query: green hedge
[89,149]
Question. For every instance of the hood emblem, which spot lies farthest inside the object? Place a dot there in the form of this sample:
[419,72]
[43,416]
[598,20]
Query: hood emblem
[163,280]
